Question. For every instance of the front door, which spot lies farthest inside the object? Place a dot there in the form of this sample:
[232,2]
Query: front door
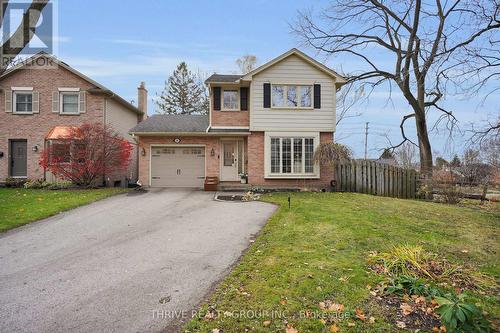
[229,168]
[18,158]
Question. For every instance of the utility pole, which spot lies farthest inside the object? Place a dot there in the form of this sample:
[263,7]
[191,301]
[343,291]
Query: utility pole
[366,140]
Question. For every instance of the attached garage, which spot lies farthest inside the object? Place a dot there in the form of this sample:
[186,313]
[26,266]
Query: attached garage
[177,166]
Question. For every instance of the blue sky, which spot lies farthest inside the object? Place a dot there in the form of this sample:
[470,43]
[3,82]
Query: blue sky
[120,43]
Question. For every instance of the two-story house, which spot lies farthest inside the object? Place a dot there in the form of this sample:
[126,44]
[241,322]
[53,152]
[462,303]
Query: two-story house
[43,96]
[266,124]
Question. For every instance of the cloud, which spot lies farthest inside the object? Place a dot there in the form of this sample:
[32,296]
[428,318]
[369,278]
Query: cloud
[146,66]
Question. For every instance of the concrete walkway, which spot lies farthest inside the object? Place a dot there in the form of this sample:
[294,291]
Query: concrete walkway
[124,264]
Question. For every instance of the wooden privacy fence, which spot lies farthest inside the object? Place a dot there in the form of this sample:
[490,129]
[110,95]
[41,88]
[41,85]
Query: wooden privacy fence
[376,178]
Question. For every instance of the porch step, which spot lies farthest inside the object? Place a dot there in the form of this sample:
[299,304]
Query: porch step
[232,188]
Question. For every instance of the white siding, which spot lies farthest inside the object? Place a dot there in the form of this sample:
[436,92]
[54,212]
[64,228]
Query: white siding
[122,120]
[292,70]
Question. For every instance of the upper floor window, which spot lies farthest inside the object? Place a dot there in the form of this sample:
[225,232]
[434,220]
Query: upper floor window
[23,102]
[69,102]
[230,99]
[291,96]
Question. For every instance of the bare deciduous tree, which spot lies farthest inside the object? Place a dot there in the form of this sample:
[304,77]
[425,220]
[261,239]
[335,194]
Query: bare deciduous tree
[246,63]
[23,34]
[406,155]
[433,49]
[490,131]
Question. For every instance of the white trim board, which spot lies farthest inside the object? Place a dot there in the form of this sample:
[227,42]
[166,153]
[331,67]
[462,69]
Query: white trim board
[267,155]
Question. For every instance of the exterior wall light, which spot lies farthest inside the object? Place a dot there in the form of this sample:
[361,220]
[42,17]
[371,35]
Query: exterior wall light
[143,152]
[35,148]
[212,152]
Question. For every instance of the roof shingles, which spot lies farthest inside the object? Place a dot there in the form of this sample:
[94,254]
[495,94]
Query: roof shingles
[172,123]
[223,78]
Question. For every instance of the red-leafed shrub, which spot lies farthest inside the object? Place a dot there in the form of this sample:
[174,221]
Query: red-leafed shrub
[86,153]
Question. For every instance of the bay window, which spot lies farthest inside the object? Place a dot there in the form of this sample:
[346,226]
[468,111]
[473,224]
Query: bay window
[291,156]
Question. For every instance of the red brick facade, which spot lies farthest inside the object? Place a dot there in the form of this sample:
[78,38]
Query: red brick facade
[210,142]
[254,148]
[256,166]
[35,127]
[230,118]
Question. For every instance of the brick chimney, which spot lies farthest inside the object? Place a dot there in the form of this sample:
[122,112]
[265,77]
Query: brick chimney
[142,98]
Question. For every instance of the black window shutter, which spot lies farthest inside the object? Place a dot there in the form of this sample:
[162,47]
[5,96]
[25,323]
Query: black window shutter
[317,96]
[244,98]
[216,98]
[267,95]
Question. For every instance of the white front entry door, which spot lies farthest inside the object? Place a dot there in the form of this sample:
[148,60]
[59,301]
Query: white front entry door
[229,162]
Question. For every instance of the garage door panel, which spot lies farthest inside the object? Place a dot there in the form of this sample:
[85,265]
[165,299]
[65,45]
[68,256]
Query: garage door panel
[177,166]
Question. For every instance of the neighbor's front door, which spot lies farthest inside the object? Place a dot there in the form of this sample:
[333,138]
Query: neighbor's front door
[229,167]
[18,158]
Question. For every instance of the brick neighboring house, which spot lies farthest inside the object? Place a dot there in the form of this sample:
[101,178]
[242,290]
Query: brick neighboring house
[265,124]
[42,96]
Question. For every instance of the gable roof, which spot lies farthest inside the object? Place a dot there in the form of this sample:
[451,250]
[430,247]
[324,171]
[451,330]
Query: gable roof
[339,79]
[223,78]
[172,123]
[100,87]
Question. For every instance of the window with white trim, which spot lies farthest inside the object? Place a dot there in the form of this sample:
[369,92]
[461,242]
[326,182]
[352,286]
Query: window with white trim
[70,102]
[23,102]
[291,96]
[292,156]
[230,100]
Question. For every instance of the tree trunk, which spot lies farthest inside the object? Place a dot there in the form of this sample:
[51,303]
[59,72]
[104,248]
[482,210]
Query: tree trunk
[424,145]
[422,133]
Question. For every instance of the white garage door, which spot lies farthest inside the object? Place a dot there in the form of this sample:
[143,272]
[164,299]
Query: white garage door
[177,166]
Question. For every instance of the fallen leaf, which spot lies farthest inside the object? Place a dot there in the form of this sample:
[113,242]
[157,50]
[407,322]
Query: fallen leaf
[400,324]
[322,321]
[215,330]
[465,251]
[266,323]
[343,279]
[322,305]
[351,324]
[420,299]
[368,287]
[334,328]
[443,328]
[373,293]
[282,301]
[407,309]
[371,320]
[435,329]
[360,315]
[290,329]
[336,307]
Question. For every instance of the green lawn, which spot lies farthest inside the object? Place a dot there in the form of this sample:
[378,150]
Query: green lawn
[318,250]
[20,206]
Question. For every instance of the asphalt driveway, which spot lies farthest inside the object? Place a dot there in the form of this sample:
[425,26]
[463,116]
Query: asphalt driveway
[130,263]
